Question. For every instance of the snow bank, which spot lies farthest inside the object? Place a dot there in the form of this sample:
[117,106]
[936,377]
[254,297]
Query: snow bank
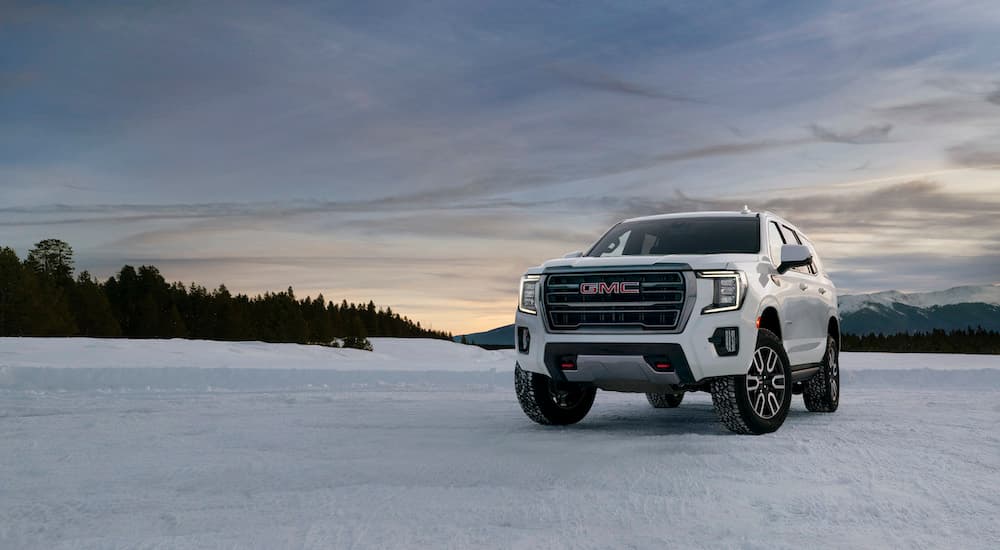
[397,354]
[89,363]
[921,370]
[93,363]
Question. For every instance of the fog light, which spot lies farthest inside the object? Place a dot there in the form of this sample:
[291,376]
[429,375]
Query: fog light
[659,363]
[523,339]
[726,341]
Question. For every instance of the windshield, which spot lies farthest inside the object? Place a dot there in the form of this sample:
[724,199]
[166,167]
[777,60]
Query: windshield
[720,235]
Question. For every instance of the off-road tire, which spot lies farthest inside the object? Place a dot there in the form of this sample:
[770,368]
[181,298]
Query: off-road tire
[731,396]
[821,393]
[552,403]
[664,400]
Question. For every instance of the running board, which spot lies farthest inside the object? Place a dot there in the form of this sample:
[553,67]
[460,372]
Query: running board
[804,372]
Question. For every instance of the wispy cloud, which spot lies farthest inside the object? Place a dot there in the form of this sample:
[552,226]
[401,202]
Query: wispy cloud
[983,153]
[876,133]
[592,77]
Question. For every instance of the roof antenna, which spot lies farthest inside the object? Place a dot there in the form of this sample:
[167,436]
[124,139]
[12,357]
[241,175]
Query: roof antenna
[746,209]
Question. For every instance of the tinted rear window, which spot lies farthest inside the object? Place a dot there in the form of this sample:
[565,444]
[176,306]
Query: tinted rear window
[729,235]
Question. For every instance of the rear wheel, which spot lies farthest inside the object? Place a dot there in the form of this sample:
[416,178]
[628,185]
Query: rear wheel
[665,400]
[757,402]
[549,402]
[821,393]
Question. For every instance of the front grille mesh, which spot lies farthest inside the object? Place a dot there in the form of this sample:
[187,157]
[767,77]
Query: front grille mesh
[657,305]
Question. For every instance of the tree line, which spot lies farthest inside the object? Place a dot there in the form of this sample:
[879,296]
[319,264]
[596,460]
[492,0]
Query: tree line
[40,297]
[971,340]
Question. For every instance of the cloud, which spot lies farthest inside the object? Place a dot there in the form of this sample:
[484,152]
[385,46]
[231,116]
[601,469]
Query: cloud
[906,272]
[891,204]
[976,154]
[994,96]
[728,149]
[913,204]
[968,102]
[869,134]
[592,77]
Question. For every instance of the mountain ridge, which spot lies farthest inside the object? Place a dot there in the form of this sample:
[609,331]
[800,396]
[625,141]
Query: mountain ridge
[967,294]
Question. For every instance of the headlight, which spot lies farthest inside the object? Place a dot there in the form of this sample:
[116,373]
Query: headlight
[528,294]
[730,288]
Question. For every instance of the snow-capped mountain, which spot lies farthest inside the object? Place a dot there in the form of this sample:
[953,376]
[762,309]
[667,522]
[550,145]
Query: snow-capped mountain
[893,311]
[984,294]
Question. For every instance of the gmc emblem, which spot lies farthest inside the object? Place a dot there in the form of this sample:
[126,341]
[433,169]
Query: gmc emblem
[617,287]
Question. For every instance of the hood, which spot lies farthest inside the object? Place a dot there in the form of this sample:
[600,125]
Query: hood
[680,262]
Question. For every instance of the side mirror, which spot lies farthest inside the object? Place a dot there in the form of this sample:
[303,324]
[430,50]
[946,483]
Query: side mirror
[794,255]
[576,254]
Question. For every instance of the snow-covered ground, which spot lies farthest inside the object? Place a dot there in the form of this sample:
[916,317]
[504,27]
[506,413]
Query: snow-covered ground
[176,444]
[88,363]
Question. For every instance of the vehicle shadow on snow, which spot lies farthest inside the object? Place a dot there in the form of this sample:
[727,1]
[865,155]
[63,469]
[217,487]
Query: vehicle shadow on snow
[693,418]
[640,419]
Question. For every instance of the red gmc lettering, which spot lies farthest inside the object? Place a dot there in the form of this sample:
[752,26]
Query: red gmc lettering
[617,287]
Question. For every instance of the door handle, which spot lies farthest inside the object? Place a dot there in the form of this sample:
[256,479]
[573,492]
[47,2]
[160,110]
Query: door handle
[803,286]
[822,290]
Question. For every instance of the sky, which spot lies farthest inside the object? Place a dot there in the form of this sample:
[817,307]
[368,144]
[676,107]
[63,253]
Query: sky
[423,154]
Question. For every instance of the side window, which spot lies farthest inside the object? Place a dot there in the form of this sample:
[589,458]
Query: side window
[817,264]
[774,241]
[807,269]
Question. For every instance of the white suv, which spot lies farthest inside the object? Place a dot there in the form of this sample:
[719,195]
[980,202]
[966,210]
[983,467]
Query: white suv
[735,303]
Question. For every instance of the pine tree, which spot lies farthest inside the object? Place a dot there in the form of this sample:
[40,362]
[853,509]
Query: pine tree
[53,259]
[39,297]
[91,309]
[320,326]
[14,300]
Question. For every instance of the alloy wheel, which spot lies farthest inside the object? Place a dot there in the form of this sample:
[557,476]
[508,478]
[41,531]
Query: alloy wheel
[765,383]
[834,374]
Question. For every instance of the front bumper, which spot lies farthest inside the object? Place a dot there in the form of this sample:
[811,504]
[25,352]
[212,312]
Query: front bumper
[624,360]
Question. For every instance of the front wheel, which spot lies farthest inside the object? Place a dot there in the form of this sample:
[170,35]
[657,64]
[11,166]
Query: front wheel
[549,402]
[757,402]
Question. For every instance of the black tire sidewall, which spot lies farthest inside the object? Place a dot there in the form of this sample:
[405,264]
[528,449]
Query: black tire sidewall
[537,400]
[665,400]
[832,351]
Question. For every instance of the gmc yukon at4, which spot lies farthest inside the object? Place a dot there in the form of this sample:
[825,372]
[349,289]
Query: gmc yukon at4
[733,303]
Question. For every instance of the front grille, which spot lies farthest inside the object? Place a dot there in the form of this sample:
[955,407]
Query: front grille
[657,305]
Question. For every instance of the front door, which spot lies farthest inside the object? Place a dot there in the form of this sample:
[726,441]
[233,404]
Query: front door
[797,315]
